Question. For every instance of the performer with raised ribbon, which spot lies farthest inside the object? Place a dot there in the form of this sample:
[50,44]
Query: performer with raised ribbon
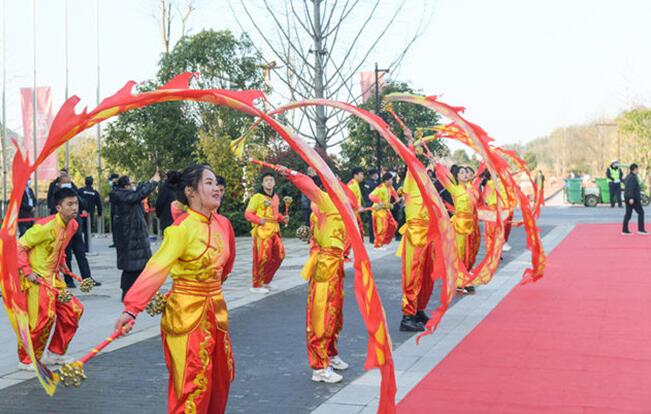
[41,258]
[417,254]
[384,225]
[455,181]
[268,251]
[354,186]
[198,252]
[324,271]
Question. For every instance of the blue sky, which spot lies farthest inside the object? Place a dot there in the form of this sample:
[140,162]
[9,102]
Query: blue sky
[521,68]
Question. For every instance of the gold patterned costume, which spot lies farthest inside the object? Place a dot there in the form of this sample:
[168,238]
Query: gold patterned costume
[42,250]
[268,249]
[325,272]
[198,252]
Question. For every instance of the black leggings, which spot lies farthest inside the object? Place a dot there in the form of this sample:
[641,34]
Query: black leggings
[637,206]
[77,247]
[128,279]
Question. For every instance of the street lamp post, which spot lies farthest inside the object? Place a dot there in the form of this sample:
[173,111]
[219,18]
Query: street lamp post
[378,151]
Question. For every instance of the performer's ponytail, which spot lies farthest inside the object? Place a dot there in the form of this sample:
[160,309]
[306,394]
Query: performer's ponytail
[191,177]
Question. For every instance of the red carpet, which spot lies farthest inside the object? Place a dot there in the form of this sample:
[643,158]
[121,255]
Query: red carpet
[578,341]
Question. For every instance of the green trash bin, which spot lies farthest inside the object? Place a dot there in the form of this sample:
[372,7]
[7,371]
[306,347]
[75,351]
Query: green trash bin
[604,190]
[573,190]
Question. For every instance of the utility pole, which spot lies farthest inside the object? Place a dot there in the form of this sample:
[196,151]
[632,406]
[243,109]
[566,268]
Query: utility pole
[319,53]
[378,150]
[66,89]
[100,225]
[34,111]
[4,107]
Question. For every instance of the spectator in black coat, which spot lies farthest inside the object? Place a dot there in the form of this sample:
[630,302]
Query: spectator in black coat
[93,203]
[54,186]
[130,228]
[27,209]
[633,199]
[167,193]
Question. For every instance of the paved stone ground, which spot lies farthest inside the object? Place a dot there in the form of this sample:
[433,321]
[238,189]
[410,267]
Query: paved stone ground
[272,374]
[102,305]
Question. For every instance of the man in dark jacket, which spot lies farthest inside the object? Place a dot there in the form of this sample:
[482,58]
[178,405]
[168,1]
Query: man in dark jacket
[130,228]
[62,181]
[93,203]
[76,245]
[632,197]
[167,193]
[369,185]
[614,175]
[27,209]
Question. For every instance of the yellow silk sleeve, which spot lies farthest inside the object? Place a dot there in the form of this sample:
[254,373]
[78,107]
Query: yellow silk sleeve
[36,235]
[158,267]
[254,203]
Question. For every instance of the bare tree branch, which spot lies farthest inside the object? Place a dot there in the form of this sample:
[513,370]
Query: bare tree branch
[271,46]
[184,18]
[317,61]
[285,34]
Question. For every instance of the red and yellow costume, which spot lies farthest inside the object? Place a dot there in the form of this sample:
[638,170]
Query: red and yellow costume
[42,250]
[474,239]
[325,272]
[198,253]
[355,197]
[268,249]
[384,225]
[417,252]
[464,219]
[490,199]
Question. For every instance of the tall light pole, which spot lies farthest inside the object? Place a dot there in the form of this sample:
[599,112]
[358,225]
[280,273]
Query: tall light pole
[4,107]
[34,111]
[378,151]
[65,25]
[100,225]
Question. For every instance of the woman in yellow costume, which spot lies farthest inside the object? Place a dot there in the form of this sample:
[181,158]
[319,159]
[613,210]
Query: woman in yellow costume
[384,225]
[416,250]
[325,272]
[198,252]
[456,182]
[490,195]
[474,241]
[357,203]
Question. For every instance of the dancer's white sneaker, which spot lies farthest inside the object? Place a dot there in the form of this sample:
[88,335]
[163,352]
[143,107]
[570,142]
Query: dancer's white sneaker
[25,367]
[53,359]
[326,375]
[261,290]
[271,286]
[338,363]
[506,247]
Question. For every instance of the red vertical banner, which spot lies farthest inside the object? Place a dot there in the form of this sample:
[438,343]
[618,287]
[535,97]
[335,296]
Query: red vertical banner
[48,170]
[367,83]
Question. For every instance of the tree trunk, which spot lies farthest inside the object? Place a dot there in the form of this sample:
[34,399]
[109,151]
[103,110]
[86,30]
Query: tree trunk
[321,133]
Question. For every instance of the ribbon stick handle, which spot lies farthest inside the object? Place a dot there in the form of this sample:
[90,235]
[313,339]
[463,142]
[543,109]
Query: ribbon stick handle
[93,352]
[263,163]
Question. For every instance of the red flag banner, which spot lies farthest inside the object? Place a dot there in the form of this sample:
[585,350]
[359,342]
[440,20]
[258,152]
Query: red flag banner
[48,169]
[367,83]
